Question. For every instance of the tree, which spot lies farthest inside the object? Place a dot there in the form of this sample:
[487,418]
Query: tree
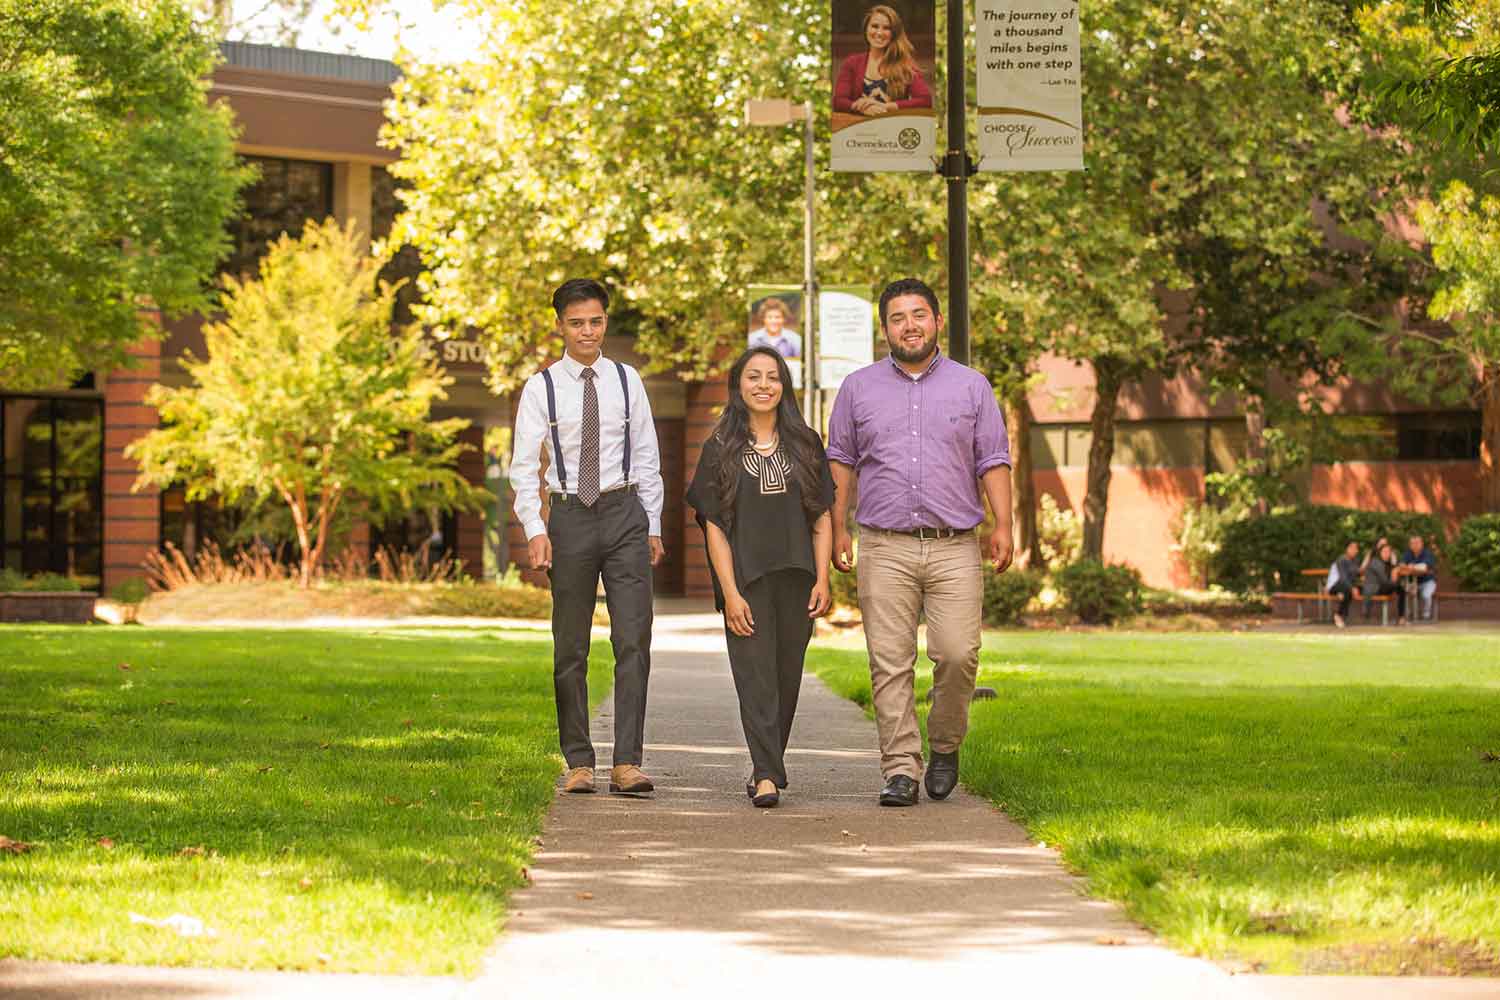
[1465,235]
[1210,137]
[116,179]
[543,161]
[226,18]
[308,395]
[1455,95]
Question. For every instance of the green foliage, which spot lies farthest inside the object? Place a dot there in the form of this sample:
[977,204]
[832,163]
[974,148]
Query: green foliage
[1475,553]
[1059,533]
[1099,593]
[309,397]
[1200,533]
[115,181]
[13,581]
[1265,554]
[844,588]
[130,591]
[506,599]
[1007,595]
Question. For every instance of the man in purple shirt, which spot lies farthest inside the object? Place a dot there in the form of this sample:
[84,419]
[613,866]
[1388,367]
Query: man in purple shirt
[920,434]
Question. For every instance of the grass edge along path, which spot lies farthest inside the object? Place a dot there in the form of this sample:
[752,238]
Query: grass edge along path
[1284,803]
[319,800]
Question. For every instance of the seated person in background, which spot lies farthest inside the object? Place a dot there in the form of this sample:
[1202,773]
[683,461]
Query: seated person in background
[1345,577]
[1419,569]
[1378,566]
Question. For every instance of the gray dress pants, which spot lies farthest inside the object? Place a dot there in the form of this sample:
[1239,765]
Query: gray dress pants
[609,539]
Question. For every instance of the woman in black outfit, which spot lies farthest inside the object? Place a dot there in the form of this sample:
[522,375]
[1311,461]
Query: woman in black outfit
[762,493]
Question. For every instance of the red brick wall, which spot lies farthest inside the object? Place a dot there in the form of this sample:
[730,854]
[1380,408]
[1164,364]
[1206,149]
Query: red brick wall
[704,402]
[132,521]
[1450,490]
[670,433]
[1143,509]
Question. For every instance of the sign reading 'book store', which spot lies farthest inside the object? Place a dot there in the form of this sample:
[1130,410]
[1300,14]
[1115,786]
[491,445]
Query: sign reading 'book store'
[883,118]
[1030,96]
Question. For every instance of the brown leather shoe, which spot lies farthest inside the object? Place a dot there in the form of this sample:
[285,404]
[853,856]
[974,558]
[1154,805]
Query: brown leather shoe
[579,780]
[630,780]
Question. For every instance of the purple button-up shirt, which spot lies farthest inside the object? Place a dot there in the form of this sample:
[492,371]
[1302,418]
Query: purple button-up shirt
[918,445]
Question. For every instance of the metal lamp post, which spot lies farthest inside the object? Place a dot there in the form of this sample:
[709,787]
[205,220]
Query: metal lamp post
[779,112]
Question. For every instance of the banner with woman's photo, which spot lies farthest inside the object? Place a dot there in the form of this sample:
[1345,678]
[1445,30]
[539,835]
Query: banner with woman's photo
[883,57]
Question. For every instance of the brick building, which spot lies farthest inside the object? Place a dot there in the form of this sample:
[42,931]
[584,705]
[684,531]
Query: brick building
[311,121]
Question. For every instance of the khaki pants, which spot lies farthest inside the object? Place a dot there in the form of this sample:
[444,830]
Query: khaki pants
[899,577]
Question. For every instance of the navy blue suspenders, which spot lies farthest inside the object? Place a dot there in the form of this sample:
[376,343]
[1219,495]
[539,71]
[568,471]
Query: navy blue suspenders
[562,471]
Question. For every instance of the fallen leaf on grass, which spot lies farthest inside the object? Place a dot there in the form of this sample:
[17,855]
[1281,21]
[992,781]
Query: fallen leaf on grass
[391,800]
[106,843]
[304,884]
[263,770]
[8,846]
[1489,756]
[526,875]
[324,746]
[191,852]
[406,723]
[324,957]
[167,702]
[126,666]
[585,895]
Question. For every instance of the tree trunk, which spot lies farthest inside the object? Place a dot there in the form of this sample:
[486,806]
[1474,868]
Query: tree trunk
[326,510]
[1489,440]
[1107,380]
[1023,512]
[1255,451]
[298,503]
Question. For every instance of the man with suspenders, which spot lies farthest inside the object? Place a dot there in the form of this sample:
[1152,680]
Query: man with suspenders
[604,478]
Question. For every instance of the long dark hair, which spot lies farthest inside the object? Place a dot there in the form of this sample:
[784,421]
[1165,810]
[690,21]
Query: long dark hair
[800,442]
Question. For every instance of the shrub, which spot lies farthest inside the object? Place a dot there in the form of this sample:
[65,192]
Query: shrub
[507,599]
[10,580]
[1267,553]
[844,588]
[1475,553]
[1099,593]
[1200,533]
[128,594]
[1059,533]
[1007,594]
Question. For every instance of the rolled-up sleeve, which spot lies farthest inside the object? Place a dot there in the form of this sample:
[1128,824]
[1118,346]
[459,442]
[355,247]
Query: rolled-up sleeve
[843,444]
[991,441]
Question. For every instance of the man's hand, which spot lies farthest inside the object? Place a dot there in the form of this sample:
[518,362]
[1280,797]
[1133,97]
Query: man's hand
[843,550]
[658,551]
[1000,547]
[540,551]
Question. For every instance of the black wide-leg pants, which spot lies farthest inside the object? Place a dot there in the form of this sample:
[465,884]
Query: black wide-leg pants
[767,666]
[609,539]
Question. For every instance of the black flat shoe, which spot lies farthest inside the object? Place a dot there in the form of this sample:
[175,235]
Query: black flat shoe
[899,791]
[766,801]
[942,775]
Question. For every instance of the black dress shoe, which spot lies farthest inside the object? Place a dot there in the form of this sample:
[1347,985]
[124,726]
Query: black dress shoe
[942,775]
[899,791]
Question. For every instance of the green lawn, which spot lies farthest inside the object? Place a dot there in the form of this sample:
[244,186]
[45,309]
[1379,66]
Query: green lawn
[1299,803]
[322,800]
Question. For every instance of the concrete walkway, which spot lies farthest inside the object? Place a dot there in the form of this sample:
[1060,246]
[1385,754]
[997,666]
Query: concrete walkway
[694,893]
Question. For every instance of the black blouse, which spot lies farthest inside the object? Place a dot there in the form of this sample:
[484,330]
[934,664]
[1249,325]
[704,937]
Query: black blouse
[771,531]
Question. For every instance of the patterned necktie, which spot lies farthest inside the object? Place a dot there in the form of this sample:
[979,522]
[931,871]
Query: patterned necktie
[588,451]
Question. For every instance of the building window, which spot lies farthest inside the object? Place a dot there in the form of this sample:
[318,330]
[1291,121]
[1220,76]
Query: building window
[190,525]
[288,193]
[1438,436]
[52,499]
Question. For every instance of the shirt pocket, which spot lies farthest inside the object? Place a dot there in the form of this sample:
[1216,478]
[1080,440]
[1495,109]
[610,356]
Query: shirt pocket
[955,422]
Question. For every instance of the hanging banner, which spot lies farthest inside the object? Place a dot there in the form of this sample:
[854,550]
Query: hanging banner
[1030,91]
[883,55]
[846,333]
[776,322]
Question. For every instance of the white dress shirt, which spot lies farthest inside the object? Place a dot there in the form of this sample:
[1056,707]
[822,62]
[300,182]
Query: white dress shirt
[532,434]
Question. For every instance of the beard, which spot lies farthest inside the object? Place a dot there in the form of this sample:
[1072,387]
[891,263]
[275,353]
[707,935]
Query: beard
[915,356]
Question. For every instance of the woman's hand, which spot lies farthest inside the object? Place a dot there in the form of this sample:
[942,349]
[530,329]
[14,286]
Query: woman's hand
[737,615]
[860,105]
[820,601]
[879,108]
